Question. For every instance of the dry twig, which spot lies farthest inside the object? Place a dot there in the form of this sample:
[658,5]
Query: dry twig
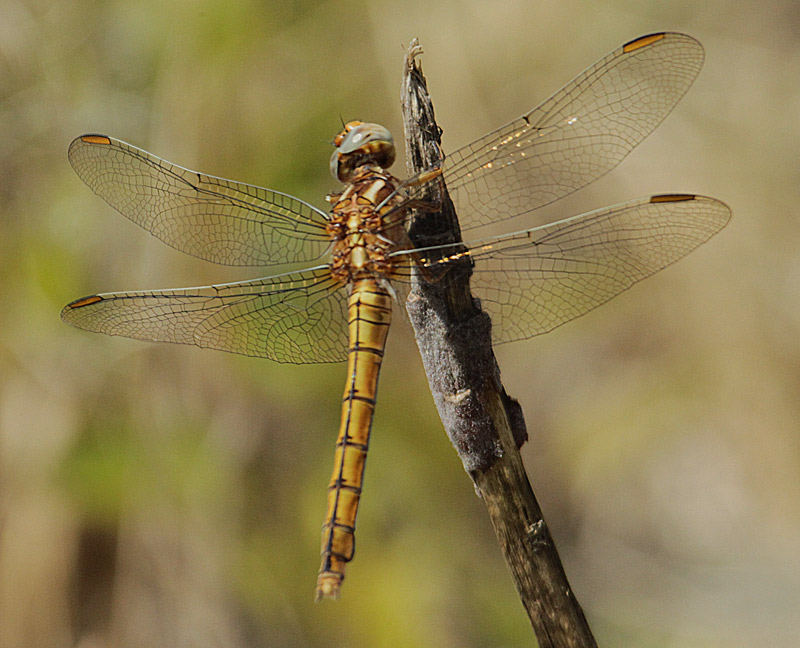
[485,425]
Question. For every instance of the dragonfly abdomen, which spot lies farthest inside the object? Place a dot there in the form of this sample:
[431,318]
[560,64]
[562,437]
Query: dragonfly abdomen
[370,312]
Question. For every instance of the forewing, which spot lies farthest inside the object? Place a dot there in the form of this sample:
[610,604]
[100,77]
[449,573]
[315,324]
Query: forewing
[297,317]
[576,136]
[211,218]
[532,281]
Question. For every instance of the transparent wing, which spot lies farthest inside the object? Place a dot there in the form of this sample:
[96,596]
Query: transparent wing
[534,280]
[211,218]
[297,317]
[576,136]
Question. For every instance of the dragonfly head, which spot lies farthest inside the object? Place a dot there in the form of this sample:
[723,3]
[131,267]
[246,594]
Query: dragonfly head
[359,144]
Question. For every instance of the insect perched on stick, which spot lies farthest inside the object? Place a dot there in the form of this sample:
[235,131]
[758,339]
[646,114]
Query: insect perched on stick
[529,281]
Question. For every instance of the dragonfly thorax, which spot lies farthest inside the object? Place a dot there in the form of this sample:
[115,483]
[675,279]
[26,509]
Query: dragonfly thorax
[362,237]
[361,144]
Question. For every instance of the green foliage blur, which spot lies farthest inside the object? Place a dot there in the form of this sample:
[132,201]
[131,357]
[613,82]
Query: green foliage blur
[153,495]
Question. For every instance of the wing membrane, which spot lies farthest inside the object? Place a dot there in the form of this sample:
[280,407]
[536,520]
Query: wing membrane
[296,317]
[534,280]
[576,136]
[219,220]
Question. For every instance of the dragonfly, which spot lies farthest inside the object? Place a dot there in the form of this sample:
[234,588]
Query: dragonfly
[360,258]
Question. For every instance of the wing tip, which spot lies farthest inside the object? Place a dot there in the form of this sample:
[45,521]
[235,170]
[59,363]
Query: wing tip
[722,211]
[68,313]
[90,139]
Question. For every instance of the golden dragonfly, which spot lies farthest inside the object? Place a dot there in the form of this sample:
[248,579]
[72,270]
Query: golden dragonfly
[530,281]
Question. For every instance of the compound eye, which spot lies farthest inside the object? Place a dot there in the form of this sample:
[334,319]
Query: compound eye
[359,134]
[358,144]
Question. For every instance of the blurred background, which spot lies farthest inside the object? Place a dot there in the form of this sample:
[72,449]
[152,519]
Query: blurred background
[153,495]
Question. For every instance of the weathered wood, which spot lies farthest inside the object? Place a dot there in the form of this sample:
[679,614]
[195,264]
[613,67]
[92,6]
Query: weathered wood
[485,425]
